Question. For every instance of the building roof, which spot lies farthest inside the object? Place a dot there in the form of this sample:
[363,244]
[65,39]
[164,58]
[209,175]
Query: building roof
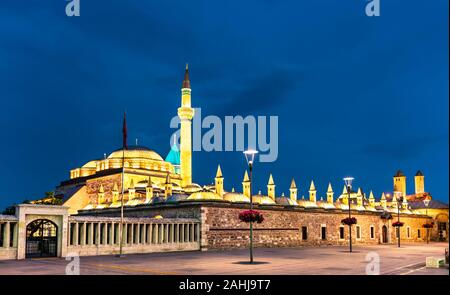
[434,204]
[419,173]
[136,152]
[399,174]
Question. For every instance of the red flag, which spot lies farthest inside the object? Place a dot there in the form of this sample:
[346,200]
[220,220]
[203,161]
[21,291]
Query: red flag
[124,131]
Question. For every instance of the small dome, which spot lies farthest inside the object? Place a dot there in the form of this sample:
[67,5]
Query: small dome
[175,198]
[90,164]
[285,201]
[158,200]
[136,152]
[262,199]
[236,197]
[204,196]
[192,188]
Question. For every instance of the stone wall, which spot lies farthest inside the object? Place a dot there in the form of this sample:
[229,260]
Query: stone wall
[221,228]
[282,227]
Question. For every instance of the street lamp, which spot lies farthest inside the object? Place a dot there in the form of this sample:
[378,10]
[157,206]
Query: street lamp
[399,198]
[250,157]
[426,203]
[348,184]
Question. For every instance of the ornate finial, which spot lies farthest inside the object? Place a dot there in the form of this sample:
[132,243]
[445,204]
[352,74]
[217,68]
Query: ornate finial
[186,82]
[282,194]
[259,192]
[187,66]
[232,190]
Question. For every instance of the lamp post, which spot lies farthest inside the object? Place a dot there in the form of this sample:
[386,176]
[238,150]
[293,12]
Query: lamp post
[348,184]
[399,198]
[250,157]
[426,203]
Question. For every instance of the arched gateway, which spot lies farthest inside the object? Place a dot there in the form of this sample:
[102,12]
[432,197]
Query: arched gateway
[384,234]
[42,239]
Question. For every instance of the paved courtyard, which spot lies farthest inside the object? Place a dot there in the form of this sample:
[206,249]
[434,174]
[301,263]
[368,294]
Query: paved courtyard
[409,259]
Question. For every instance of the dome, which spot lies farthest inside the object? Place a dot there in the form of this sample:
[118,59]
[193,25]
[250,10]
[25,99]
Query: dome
[192,188]
[204,196]
[263,200]
[173,156]
[136,152]
[90,164]
[176,198]
[285,201]
[158,200]
[306,203]
[236,197]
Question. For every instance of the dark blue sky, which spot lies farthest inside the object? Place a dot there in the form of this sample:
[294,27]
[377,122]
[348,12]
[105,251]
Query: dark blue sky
[355,95]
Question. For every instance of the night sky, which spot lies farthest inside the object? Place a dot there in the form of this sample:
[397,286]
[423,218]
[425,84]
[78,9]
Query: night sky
[355,95]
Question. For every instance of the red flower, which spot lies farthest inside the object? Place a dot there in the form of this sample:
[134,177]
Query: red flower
[398,224]
[349,221]
[251,216]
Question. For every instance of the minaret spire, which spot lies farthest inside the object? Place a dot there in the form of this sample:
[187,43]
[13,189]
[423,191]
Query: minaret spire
[186,81]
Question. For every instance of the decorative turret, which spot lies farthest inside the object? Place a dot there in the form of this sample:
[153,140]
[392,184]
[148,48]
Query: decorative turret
[115,193]
[149,190]
[219,182]
[271,188]
[168,187]
[383,201]
[419,182]
[186,113]
[371,199]
[359,197]
[400,182]
[405,204]
[312,192]
[330,194]
[345,195]
[246,185]
[293,191]
[101,195]
[131,190]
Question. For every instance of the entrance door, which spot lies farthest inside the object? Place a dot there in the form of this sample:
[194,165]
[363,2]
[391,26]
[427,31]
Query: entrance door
[42,239]
[384,233]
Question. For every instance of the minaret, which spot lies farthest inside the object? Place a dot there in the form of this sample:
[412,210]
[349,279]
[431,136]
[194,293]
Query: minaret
[400,182]
[419,182]
[219,182]
[246,185]
[293,191]
[115,193]
[371,199]
[131,190]
[168,187]
[149,190]
[186,113]
[101,195]
[383,201]
[312,192]
[271,188]
[330,194]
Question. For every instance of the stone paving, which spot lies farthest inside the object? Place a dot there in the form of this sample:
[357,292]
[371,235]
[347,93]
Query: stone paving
[331,260]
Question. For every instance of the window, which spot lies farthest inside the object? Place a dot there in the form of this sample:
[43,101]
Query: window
[304,233]
[372,232]
[418,233]
[323,232]
[358,232]
[341,233]
[408,232]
